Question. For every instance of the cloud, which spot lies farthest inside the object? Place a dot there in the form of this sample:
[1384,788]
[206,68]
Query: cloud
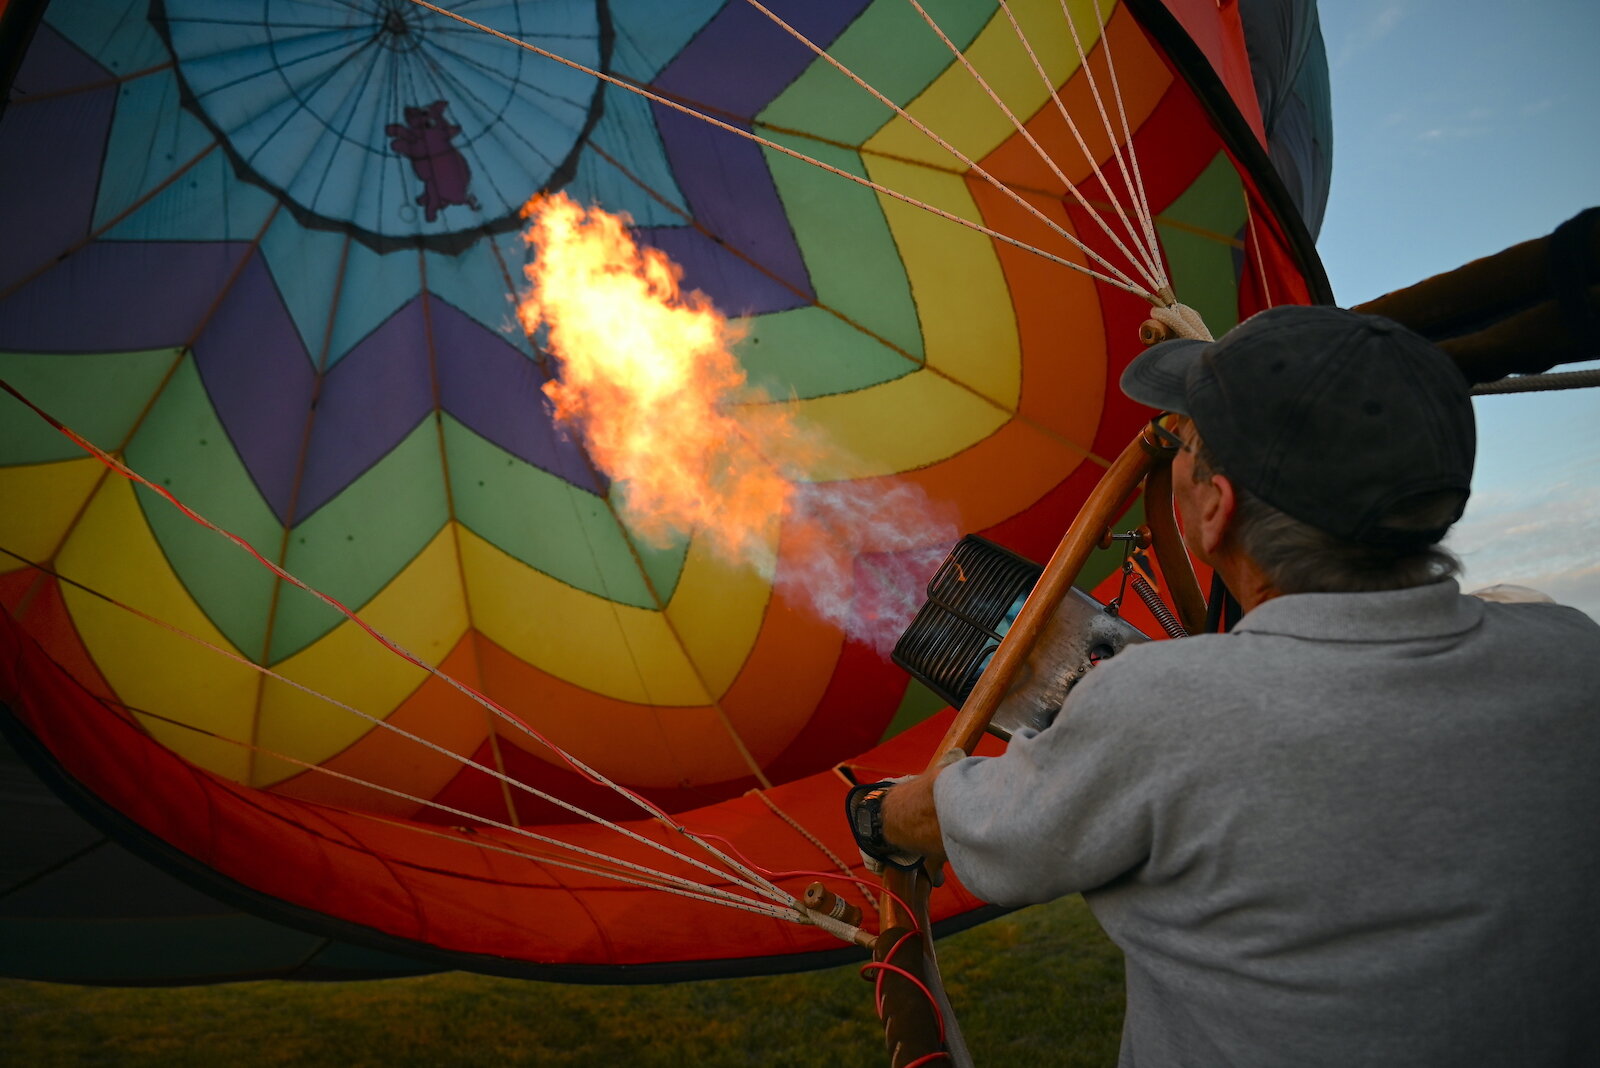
[1378,26]
[1454,132]
[1544,540]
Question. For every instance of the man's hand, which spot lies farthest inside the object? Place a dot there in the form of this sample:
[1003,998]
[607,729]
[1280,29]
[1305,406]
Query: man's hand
[910,820]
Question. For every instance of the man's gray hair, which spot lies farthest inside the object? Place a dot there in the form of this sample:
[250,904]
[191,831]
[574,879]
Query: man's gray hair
[1300,558]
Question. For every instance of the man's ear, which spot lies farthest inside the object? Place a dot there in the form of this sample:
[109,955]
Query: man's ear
[1217,504]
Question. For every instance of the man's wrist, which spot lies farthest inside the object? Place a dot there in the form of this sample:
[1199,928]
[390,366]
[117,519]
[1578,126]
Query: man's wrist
[864,811]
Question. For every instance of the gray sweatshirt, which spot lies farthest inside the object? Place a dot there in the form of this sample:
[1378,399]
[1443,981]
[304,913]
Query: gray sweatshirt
[1363,829]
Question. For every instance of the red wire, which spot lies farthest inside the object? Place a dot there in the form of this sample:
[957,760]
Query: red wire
[884,966]
[880,967]
[117,467]
[770,874]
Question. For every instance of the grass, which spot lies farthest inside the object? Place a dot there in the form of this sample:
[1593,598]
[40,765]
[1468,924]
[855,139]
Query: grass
[1040,986]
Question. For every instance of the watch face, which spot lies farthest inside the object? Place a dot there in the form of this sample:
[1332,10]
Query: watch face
[863,822]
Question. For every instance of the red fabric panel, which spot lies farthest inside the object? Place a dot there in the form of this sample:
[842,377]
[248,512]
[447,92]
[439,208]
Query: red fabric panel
[404,879]
[1214,26]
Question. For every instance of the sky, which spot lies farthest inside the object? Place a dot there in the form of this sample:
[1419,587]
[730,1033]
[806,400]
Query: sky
[1462,127]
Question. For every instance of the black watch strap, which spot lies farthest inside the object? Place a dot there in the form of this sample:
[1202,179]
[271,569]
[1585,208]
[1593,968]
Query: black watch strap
[863,807]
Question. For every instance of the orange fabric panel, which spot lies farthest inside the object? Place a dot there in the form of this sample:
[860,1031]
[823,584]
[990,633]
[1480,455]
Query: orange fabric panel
[436,711]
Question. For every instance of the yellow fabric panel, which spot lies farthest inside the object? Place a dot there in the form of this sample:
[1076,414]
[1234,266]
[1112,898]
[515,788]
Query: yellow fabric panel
[717,610]
[152,669]
[351,666]
[968,324]
[958,109]
[615,650]
[42,500]
[911,422]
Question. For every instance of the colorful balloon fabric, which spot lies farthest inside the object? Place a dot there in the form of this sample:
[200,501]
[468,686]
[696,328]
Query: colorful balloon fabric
[267,255]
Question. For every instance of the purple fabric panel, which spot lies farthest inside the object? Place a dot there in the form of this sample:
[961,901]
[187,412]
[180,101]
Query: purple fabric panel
[370,401]
[742,59]
[734,284]
[50,158]
[492,388]
[54,63]
[737,64]
[113,296]
[260,381]
[725,181]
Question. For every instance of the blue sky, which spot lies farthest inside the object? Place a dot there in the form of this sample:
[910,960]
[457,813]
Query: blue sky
[1462,127]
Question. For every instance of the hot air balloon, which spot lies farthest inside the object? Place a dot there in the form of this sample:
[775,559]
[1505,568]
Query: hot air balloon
[267,258]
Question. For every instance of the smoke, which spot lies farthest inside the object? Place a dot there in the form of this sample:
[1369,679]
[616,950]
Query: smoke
[864,555]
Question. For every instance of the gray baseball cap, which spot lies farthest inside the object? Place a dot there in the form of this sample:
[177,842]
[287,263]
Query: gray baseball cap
[1339,419]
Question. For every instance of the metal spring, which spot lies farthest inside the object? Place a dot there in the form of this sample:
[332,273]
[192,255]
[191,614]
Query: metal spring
[1158,608]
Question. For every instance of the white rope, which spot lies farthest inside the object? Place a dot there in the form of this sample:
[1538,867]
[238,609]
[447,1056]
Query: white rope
[659,880]
[1261,266]
[966,161]
[1136,182]
[801,156]
[1183,321]
[1149,256]
[788,907]
[1141,261]
[761,908]
[756,883]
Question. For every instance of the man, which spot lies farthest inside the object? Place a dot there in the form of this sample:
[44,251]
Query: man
[1364,827]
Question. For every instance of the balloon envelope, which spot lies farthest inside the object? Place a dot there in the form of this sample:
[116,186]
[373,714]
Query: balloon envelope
[270,261]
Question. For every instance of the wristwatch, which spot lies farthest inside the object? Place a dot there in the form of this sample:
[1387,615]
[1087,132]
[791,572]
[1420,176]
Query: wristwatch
[863,807]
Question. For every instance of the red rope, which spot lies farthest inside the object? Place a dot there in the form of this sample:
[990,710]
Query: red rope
[929,1059]
[797,873]
[885,966]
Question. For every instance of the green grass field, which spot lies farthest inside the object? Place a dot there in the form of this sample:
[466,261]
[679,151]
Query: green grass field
[1041,986]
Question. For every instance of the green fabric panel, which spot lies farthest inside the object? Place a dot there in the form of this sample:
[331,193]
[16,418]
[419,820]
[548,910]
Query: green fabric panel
[663,564]
[124,383]
[1102,562]
[891,49]
[183,447]
[917,705]
[861,279]
[352,546]
[552,526]
[809,352]
[148,950]
[1203,265]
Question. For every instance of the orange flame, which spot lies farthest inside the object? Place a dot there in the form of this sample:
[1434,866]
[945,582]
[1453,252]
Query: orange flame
[648,374]
[648,377]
